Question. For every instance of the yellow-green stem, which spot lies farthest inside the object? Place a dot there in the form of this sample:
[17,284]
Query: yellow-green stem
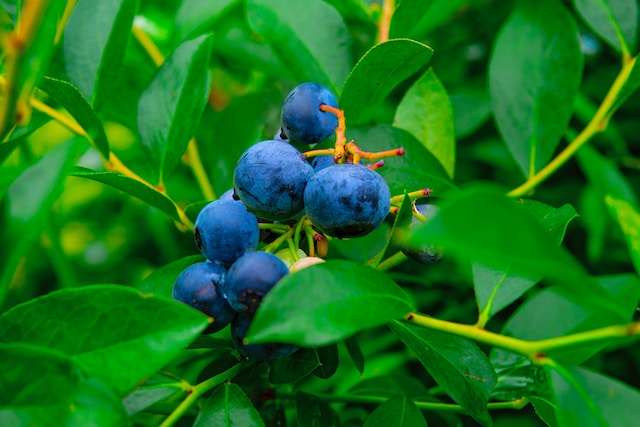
[394,260]
[597,124]
[388,6]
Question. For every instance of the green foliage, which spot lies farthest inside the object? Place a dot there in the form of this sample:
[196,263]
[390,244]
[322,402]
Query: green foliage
[520,118]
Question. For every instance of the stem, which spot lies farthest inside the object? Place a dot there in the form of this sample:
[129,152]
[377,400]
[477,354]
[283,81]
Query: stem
[598,124]
[196,391]
[384,24]
[394,260]
[534,350]
[273,246]
[63,21]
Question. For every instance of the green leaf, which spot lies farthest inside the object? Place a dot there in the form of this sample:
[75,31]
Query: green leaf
[497,287]
[619,197]
[141,399]
[615,21]
[552,313]
[28,202]
[534,76]
[545,410]
[470,111]
[308,36]
[485,226]
[96,37]
[160,282]
[401,222]
[196,17]
[132,186]
[457,365]
[425,112]
[377,73]
[41,387]
[295,367]
[355,353]
[391,385]
[312,412]
[328,356]
[631,84]
[116,334]
[416,170]
[68,96]
[406,17]
[6,148]
[228,406]
[170,108]
[440,13]
[397,411]
[587,398]
[327,302]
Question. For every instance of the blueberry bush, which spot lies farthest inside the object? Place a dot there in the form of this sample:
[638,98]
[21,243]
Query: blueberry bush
[319,213]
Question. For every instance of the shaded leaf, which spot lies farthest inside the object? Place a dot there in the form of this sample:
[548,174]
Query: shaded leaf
[141,399]
[170,108]
[457,365]
[228,406]
[328,356]
[312,412]
[68,96]
[30,374]
[470,111]
[616,21]
[401,222]
[327,302]
[534,76]
[377,73]
[160,282]
[116,334]
[425,112]
[397,411]
[132,186]
[355,353]
[196,17]
[96,36]
[390,385]
[292,368]
[308,36]
[406,17]
[545,410]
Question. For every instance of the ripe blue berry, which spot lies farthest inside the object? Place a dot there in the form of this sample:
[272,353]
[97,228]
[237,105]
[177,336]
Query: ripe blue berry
[264,352]
[320,162]
[198,286]
[270,178]
[225,230]
[347,200]
[250,278]
[424,253]
[302,119]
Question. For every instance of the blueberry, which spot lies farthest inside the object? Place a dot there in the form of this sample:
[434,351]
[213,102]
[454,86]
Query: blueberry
[225,230]
[264,352]
[270,178]
[250,278]
[302,119]
[347,200]
[199,287]
[424,253]
[227,195]
[320,162]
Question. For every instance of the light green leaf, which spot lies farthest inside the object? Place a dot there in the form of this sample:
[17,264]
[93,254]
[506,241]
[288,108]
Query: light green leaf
[170,108]
[308,36]
[95,40]
[616,21]
[116,334]
[377,73]
[534,76]
[425,112]
[397,411]
[228,406]
[327,302]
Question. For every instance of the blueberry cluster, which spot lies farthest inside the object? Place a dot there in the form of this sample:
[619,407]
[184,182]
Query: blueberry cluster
[332,195]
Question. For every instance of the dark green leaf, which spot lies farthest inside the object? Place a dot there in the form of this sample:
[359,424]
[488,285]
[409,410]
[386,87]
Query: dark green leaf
[116,334]
[196,17]
[377,73]
[545,410]
[328,356]
[327,302]
[425,112]
[228,406]
[470,111]
[141,399]
[27,203]
[308,36]
[440,13]
[40,387]
[485,226]
[616,21]
[587,398]
[397,411]
[68,96]
[292,368]
[355,353]
[407,16]
[497,287]
[170,108]
[390,385]
[160,282]
[457,365]
[416,170]
[132,186]
[534,76]
[96,37]
[619,197]
[312,412]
